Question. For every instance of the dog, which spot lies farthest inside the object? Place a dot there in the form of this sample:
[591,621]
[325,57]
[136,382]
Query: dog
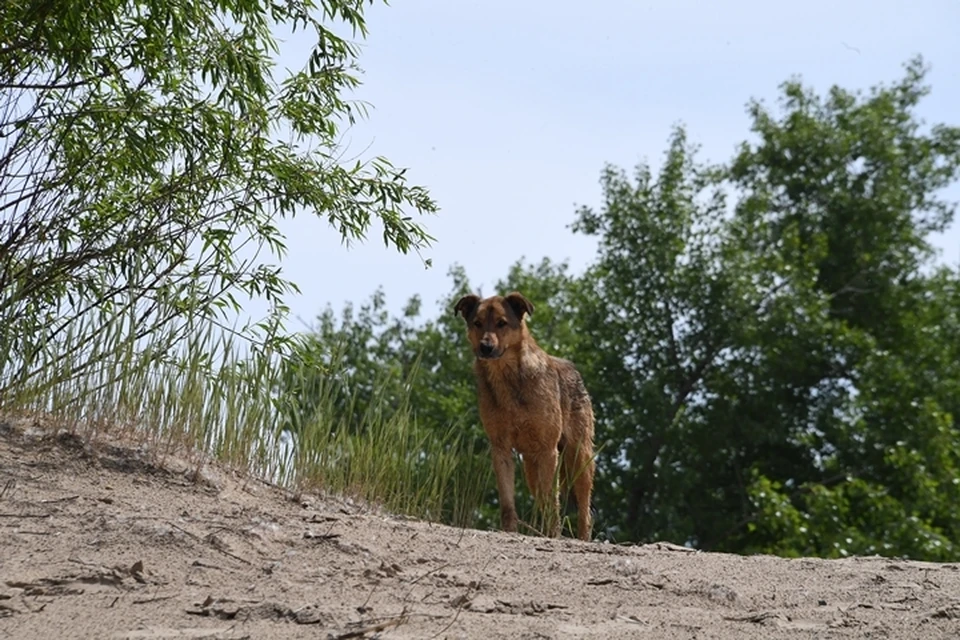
[532,403]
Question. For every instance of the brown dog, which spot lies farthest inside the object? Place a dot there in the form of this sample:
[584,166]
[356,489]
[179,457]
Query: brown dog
[533,403]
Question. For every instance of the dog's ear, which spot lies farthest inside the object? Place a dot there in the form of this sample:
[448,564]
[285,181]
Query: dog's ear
[466,306]
[519,304]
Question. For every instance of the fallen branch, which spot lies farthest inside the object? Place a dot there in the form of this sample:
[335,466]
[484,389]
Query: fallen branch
[201,540]
[373,628]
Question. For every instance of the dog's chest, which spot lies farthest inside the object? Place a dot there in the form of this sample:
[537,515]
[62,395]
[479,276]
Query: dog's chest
[520,388]
[520,407]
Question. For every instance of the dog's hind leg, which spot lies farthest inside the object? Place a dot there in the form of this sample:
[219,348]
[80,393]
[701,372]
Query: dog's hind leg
[577,472]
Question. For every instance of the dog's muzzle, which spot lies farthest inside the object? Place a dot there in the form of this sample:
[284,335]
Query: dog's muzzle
[487,350]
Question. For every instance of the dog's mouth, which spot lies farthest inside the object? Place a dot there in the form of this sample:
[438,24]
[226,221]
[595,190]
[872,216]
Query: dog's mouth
[489,355]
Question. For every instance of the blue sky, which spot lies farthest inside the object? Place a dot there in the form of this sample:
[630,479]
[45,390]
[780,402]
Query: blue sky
[507,112]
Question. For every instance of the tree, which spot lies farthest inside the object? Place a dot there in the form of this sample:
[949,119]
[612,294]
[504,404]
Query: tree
[765,370]
[855,183]
[657,311]
[147,151]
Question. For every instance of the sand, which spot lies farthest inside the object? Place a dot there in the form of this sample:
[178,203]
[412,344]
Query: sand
[105,540]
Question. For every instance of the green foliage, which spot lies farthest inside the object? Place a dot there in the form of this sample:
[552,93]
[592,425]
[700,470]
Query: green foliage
[779,374]
[147,154]
[147,151]
[656,310]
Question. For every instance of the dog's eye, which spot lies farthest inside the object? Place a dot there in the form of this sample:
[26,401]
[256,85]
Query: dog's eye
[477,324]
[501,323]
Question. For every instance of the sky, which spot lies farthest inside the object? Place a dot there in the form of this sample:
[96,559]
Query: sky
[508,111]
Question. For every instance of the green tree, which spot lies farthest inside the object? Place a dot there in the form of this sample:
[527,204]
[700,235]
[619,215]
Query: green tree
[855,182]
[777,375]
[147,151]
[658,310]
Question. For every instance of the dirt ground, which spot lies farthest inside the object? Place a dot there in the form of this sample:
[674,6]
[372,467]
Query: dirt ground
[106,541]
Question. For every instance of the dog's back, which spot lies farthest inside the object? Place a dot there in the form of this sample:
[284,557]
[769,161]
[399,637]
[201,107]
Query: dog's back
[575,402]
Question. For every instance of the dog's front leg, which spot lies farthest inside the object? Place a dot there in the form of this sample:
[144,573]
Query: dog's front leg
[503,468]
[541,472]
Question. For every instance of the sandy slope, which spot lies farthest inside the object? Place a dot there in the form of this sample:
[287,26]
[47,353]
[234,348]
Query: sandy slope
[104,543]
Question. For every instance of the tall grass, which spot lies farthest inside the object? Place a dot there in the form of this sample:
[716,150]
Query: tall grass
[199,389]
[383,455]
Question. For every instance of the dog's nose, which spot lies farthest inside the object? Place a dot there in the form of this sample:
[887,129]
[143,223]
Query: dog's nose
[486,349]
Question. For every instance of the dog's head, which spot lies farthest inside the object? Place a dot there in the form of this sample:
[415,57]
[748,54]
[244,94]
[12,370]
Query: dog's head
[494,324]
